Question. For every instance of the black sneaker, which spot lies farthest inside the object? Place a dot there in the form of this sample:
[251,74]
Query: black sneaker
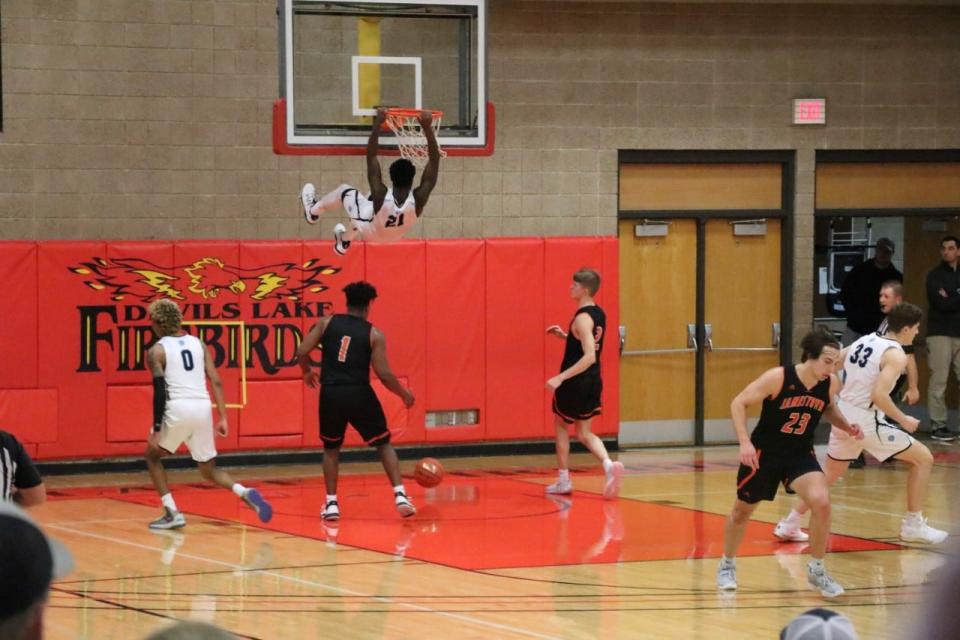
[943,434]
[859,463]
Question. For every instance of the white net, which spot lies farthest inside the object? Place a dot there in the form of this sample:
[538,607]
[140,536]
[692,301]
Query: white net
[405,125]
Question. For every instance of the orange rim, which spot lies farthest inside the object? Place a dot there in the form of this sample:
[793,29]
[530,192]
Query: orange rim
[411,113]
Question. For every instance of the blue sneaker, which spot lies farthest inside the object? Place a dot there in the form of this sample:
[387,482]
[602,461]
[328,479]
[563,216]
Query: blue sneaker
[256,502]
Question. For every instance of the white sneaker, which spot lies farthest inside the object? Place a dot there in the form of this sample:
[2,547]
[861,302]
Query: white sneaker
[920,531]
[727,577]
[331,511]
[308,198]
[611,488]
[404,506]
[169,520]
[340,245]
[789,532]
[822,582]
[560,487]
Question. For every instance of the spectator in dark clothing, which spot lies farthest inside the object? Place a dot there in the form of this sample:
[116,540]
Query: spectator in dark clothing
[861,290]
[19,480]
[943,334]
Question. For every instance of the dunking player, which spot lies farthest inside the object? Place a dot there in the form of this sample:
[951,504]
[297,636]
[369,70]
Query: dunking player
[180,364]
[780,450]
[872,366]
[577,387]
[386,214]
[350,344]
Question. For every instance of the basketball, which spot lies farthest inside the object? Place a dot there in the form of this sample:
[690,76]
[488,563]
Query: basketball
[428,472]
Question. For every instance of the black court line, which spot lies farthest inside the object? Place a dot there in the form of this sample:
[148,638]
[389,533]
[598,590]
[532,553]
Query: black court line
[125,607]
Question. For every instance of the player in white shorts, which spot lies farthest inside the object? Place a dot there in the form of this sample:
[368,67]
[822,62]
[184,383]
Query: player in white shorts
[872,366]
[180,365]
[387,213]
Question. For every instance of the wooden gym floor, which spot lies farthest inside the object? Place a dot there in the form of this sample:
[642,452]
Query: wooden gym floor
[487,556]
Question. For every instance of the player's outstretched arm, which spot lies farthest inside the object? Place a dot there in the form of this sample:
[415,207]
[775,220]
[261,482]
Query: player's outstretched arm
[892,364]
[767,385]
[378,359]
[310,342]
[429,178]
[216,385]
[157,364]
[378,190]
[583,331]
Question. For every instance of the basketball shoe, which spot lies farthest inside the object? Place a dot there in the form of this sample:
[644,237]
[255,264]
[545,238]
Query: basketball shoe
[789,532]
[169,520]
[256,502]
[340,246]
[822,582]
[331,511]
[727,576]
[404,506]
[917,530]
[611,487]
[560,487]
[308,198]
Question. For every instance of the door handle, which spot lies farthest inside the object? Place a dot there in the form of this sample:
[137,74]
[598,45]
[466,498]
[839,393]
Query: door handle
[775,340]
[691,344]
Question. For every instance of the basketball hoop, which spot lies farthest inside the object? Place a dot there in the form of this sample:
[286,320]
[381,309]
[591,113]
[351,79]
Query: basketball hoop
[405,125]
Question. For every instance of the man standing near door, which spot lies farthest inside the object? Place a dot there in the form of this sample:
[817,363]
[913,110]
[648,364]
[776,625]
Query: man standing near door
[943,334]
[861,289]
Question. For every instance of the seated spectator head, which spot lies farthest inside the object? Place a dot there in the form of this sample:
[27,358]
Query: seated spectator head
[29,562]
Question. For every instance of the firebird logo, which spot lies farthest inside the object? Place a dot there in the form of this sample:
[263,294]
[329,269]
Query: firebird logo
[206,278]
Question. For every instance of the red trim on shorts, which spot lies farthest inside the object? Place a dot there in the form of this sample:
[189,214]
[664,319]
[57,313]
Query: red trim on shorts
[752,473]
[372,441]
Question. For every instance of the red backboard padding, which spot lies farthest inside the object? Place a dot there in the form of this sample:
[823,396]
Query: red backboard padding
[455,317]
[464,322]
[18,272]
[515,374]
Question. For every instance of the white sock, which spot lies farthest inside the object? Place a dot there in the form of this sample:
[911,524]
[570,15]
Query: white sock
[914,517]
[167,501]
[727,562]
[794,517]
[238,489]
[816,564]
[563,475]
[331,498]
[399,490]
[607,465]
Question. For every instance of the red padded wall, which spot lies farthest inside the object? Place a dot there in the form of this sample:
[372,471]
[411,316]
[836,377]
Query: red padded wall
[515,338]
[455,311]
[398,271]
[81,424]
[610,360]
[30,414]
[18,272]
[464,321]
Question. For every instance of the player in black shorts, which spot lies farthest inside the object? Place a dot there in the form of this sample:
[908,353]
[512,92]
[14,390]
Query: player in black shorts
[780,450]
[577,387]
[350,345]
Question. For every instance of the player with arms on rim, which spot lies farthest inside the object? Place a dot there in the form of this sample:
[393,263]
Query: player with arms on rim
[780,450]
[388,212]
